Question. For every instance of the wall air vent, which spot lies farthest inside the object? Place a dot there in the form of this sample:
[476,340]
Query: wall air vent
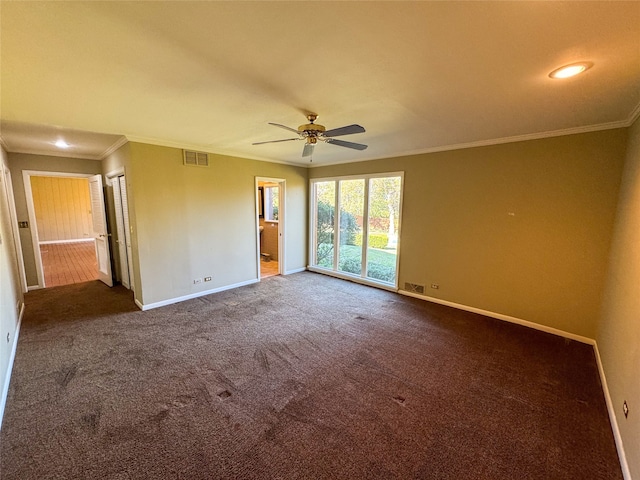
[196,159]
[414,288]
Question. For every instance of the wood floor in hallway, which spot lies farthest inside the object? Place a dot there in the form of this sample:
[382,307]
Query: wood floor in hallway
[67,263]
[268,269]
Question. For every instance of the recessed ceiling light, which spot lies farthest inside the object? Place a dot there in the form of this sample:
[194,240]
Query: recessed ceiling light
[62,144]
[571,70]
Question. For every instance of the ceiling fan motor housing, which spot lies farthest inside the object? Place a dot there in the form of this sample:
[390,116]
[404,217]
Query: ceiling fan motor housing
[311,128]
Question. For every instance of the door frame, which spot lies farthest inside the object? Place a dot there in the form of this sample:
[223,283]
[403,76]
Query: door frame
[313,233]
[33,224]
[281,222]
[111,178]
[6,178]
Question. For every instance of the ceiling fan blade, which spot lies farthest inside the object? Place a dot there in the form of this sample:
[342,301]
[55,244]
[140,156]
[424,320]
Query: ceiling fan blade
[276,141]
[348,130]
[308,149]
[342,143]
[285,127]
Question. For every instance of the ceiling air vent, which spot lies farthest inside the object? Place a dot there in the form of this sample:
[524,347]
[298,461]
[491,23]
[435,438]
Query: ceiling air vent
[197,159]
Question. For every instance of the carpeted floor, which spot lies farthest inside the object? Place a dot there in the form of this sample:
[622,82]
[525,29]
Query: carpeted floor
[297,377]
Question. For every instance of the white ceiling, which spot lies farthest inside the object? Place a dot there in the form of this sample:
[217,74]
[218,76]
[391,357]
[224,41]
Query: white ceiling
[419,76]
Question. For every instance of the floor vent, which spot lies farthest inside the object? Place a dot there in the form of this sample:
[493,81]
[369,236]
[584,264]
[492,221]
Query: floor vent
[413,287]
[198,159]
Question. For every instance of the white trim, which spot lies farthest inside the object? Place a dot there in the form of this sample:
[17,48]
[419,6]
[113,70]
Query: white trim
[43,173]
[49,242]
[603,380]
[33,224]
[207,149]
[51,153]
[313,203]
[496,141]
[612,417]
[343,276]
[15,230]
[114,173]
[295,270]
[70,153]
[12,356]
[281,183]
[33,287]
[500,316]
[115,146]
[171,301]
[634,115]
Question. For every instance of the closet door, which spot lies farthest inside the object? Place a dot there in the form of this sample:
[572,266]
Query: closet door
[120,230]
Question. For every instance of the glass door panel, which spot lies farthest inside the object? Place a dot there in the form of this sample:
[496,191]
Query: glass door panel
[382,228]
[325,206]
[351,201]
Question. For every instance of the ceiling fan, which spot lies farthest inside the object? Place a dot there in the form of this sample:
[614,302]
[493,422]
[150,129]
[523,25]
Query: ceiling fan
[313,133]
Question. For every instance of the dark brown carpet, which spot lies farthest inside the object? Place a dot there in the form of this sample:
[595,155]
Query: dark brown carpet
[297,377]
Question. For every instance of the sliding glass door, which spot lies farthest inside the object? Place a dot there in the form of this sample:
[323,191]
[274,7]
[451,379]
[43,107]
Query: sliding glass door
[355,226]
[324,228]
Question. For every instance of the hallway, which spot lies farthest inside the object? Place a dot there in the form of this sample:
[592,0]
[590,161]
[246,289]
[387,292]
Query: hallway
[67,263]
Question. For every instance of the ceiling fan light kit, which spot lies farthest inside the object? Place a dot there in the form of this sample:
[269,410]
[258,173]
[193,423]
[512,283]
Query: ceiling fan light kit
[312,133]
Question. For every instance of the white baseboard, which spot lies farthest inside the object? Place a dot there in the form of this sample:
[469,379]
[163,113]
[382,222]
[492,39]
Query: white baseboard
[171,301]
[297,270]
[612,417]
[352,278]
[49,242]
[12,356]
[501,316]
[589,341]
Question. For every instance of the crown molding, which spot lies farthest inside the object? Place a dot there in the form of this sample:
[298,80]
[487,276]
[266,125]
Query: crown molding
[116,145]
[503,140]
[202,148]
[634,115]
[49,153]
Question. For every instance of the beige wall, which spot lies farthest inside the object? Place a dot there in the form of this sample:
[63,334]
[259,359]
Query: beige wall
[23,161]
[619,332]
[193,222]
[62,208]
[11,297]
[521,229]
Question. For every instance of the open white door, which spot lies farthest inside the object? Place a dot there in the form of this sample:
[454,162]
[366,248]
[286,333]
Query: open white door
[100,234]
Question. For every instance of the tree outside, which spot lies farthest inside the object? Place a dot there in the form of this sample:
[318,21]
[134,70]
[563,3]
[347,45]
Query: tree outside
[384,210]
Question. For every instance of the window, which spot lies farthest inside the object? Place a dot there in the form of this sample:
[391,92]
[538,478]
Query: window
[271,203]
[362,239]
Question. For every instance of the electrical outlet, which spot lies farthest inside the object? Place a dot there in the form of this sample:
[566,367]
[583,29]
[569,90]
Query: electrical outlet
[625,409]
[435,286]
[197,280]
[207,279]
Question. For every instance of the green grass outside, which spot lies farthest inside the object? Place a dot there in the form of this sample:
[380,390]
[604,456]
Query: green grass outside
[381,262]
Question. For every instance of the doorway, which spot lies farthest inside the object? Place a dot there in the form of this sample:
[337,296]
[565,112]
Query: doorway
[355,227]
[68,228]
[270,201]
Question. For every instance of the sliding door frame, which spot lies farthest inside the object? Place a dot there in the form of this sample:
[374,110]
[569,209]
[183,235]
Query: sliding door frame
[365,229]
